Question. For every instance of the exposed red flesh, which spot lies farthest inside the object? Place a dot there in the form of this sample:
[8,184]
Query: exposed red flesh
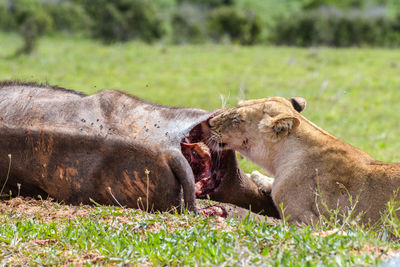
[199,157]
[208,166]
[215,210]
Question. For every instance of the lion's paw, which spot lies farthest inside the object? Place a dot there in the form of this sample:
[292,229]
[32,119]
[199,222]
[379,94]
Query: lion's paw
[264,183]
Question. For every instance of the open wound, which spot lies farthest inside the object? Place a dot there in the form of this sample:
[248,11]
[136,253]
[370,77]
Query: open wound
[208,166]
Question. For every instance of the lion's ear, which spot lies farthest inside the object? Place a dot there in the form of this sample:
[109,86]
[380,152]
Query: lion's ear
[279,126]
[299,103]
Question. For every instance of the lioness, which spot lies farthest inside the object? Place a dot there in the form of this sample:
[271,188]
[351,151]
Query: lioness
[314,171]
[115,149]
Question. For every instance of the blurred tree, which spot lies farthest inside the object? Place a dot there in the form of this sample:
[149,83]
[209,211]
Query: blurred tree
[239,26]
[123,20]
[31,20]
[68,16]
[344,4]
[393,7]
[189,24]
[7,22]
[331,26]
[208,3]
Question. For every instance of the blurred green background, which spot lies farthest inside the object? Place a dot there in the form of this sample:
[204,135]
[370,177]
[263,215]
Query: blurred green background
[341,56]
[246,22]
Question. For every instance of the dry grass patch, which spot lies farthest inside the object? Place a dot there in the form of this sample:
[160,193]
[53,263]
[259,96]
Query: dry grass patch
[42,210]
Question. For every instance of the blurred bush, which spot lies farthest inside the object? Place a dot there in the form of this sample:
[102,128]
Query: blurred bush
[236,25]
[30,20]
[207,3]
[123,20]
[286,22]
[189,23]
[196,21]
[330,26]
[68,16]
[7,21]
[346,4]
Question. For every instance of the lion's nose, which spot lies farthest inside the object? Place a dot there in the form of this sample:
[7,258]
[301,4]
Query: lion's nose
[222,145]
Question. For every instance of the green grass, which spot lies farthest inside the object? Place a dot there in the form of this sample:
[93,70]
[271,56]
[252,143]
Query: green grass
[352,93]
[45,233]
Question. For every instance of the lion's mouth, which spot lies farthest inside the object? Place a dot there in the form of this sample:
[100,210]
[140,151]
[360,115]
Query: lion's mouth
[208,164]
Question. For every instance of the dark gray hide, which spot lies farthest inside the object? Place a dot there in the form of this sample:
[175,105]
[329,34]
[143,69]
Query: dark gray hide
[74,148]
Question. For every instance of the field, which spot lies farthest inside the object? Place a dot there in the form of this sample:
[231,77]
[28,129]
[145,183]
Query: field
[352,93]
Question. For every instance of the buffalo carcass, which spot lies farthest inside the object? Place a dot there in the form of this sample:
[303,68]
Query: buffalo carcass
[113,148]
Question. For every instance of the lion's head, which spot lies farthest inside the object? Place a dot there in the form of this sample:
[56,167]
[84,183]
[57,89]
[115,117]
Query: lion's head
[248,126]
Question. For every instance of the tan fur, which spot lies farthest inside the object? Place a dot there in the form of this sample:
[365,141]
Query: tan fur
[314,171]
